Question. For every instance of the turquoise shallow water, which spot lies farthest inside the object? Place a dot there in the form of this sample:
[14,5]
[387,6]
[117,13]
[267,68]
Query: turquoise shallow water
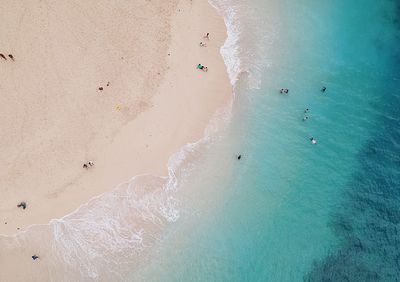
[290,210]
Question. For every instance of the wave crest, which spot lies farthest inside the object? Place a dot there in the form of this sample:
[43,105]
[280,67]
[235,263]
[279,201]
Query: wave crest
[244,50]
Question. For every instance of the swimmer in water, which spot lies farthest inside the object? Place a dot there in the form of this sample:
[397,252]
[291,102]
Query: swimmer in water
[306,110]
[313,141]
[305,118]
[323,89]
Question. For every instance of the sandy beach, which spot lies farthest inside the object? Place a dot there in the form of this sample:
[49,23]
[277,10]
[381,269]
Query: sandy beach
[116,85]
[112,83]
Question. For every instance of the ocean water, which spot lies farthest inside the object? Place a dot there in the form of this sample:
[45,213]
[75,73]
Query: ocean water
[288,210]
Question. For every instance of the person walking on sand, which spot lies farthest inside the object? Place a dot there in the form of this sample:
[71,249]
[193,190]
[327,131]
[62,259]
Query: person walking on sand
[35,257]
[22,205]
[207,36]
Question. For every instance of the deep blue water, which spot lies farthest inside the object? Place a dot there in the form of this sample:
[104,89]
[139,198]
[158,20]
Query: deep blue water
[369,223]
[290,210]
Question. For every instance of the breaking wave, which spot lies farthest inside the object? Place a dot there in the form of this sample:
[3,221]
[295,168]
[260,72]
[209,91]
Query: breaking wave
[244,51]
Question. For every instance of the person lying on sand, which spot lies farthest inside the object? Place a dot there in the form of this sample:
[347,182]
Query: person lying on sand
[11,57]
[201,67]
[202,44]
[207,36]
[4,57]
[22,205]
[89,163]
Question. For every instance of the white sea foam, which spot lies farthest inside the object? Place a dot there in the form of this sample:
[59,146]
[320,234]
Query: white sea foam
[244,50]
[230,50]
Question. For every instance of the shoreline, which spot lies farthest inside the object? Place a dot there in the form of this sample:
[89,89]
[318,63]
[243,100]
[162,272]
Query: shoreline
[153,124]
[177,115]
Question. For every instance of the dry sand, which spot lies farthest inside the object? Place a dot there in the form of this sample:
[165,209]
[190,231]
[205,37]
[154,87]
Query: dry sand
[54,118]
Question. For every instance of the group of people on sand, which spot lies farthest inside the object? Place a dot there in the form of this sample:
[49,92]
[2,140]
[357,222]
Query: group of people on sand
[5,58]
[88,164]
[202,44]
[305,118]
[101,88]
[201,67]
